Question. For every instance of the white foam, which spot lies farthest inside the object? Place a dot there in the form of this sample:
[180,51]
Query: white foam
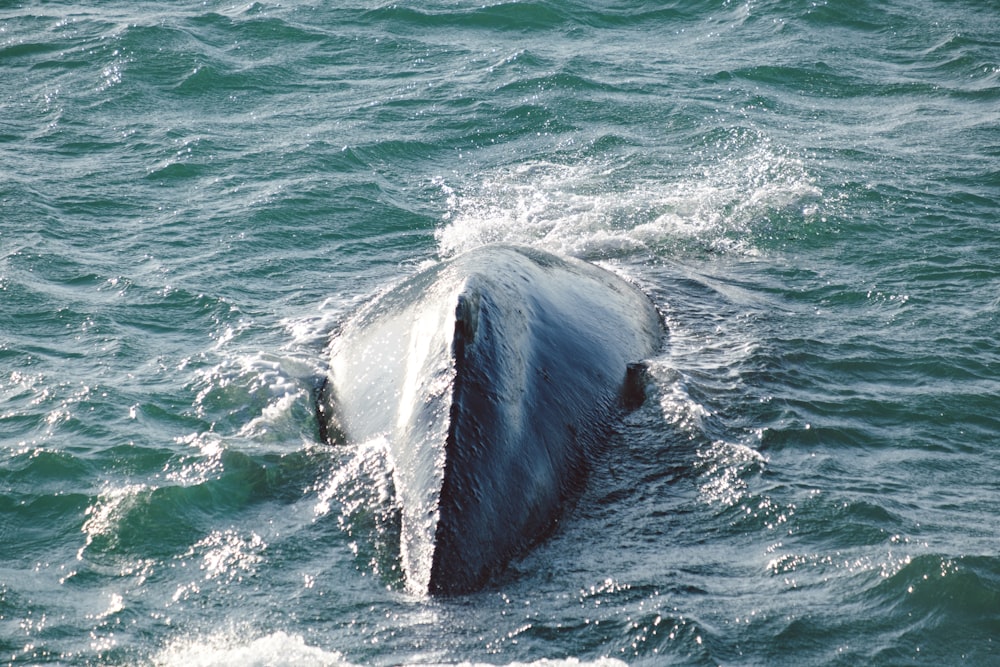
[271,391]
[544,662]
[276,649]
[594,209]
[281,648]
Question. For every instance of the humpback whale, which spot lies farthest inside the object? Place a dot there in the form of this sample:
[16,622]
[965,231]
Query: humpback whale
[493,378]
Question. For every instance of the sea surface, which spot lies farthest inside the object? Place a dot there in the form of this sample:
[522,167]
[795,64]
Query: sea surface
[194,194]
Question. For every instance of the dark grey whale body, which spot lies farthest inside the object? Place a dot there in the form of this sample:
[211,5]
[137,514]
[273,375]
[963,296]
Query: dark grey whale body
[491,377]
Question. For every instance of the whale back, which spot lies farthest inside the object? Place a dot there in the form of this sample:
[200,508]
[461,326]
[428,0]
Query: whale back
[493,376]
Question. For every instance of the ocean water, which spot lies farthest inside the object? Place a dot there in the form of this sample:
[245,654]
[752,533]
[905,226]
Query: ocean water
[194,194]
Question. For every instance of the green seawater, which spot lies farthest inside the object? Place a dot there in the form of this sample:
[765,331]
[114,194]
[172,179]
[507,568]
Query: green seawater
[194,194]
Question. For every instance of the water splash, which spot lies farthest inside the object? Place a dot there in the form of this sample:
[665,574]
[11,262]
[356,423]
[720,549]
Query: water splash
[731,203]
[360,493]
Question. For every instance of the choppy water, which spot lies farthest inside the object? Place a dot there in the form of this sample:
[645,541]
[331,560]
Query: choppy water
[192,195]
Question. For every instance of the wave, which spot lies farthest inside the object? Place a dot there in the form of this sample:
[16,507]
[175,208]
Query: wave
[518,16]
[906,606]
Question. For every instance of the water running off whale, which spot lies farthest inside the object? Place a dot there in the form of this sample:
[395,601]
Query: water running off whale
[493,376]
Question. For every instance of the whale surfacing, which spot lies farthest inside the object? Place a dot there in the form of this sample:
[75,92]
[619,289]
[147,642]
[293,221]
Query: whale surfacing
[493,377]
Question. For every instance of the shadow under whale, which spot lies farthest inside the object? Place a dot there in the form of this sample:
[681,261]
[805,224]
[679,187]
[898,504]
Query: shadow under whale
[493,378]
